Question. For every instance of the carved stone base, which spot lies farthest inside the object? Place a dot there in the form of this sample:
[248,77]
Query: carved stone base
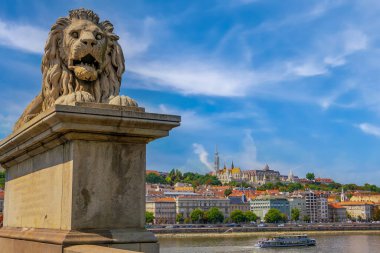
[17,240]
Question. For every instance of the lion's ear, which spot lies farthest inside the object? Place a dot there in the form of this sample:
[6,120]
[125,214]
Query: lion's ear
[107,26]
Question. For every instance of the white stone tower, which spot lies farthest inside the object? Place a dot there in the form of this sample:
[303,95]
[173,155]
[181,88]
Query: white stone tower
[342,196]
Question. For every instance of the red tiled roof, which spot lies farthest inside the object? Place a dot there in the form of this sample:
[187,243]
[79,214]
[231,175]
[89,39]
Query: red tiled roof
[356,203]
[152,171]
[335,205]
[164,200]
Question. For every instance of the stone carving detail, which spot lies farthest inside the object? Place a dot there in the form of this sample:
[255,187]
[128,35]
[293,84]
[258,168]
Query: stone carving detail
[83,62]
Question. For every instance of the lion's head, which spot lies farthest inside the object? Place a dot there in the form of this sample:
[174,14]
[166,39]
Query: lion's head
[81,54]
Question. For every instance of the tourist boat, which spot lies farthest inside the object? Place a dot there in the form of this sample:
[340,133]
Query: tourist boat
[286,241]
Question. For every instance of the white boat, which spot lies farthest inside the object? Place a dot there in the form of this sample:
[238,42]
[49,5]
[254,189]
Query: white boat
[286,241]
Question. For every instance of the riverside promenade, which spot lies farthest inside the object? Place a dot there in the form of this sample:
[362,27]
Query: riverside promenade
[344,227]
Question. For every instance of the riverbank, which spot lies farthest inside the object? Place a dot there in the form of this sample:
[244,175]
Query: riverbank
[265,231]
[265,234]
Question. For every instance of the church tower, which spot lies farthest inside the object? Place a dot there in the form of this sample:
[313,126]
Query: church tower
[216,160]
[343,196]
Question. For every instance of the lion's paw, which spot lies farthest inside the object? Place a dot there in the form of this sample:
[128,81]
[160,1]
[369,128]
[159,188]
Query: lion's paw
[123,101]
[78,96]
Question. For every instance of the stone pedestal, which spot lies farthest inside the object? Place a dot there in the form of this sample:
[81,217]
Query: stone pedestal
[76,175]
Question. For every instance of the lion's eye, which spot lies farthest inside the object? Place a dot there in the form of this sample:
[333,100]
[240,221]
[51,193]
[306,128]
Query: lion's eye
[75,35]
[98,36]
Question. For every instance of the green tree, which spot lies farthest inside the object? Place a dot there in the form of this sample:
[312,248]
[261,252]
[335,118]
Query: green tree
[237,216]
[250,216]
[214,215]
[197,216]
[376,214]
[2,179]
[179,218]
[306,218]
[310,176]
[295,214]
[149,217]
[274,216]
[227,192]
[187,220]
[168,180]
[152,178]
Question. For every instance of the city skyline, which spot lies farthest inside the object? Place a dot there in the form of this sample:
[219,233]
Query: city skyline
[293,85]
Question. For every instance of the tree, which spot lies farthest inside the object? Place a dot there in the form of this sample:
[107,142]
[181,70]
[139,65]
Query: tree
[376,214]
[214,215]
[152,178]
[250,216]
[237,216]
[179,218]
[306,218]
[149,217]
[197,216]
[2,179]
[168,180]
[310,176]
[295,214]
[274,216]
[227,192]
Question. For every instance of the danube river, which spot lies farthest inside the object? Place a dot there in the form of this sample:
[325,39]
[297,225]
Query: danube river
[325,243]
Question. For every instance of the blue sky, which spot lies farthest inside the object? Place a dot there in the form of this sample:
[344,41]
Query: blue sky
[294,84]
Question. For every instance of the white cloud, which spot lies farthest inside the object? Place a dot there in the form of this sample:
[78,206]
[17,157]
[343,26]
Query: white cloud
[25,37]
[248,157]
[137,42]
[190,119]
[196,77]
[202,155]
[307,69]
[354,40]
[370,129]
[334,61]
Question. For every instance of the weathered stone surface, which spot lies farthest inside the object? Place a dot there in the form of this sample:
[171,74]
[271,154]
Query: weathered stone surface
[76,175]
[83,62]
[94,249]
[20,246]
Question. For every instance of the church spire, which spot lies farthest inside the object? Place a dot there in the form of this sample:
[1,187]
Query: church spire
[232,165]
[216,159]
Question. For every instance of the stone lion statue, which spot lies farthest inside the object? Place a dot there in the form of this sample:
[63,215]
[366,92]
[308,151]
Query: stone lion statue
[83,62]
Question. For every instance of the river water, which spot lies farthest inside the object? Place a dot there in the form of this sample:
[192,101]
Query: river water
[325,243]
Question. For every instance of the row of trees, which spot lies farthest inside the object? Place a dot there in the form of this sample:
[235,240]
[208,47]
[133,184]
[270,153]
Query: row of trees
[176,176]
[214,215]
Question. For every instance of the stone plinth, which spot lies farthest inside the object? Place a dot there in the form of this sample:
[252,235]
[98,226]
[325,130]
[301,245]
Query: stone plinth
[76,175]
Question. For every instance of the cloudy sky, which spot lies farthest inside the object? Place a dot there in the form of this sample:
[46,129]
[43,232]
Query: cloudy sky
[294,84]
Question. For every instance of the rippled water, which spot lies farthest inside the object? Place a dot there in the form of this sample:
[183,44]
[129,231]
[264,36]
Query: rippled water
[325,243]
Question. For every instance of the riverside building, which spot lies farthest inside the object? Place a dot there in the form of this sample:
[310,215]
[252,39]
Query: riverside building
[359,210]
[298,202]
[186,204]
[163,209]
[261,205]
